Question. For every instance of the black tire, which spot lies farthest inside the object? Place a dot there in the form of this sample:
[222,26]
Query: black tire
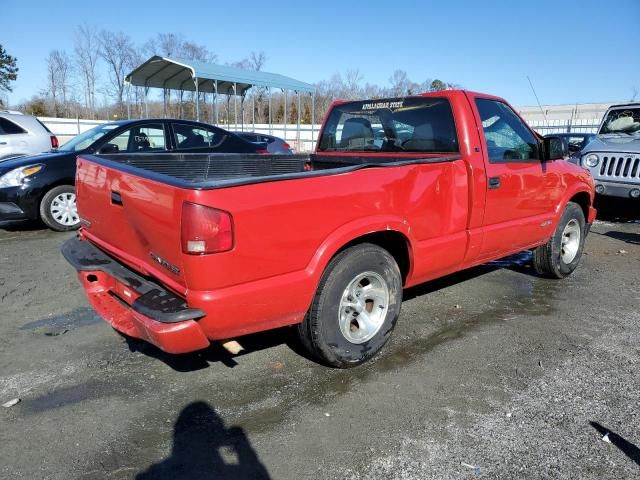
[320,332]
[57,222]
[548,259]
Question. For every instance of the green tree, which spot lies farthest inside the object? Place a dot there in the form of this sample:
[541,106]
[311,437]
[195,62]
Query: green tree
[8,70]
[438,85]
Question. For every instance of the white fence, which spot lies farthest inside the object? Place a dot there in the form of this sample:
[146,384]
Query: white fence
[583,125]
[304,139]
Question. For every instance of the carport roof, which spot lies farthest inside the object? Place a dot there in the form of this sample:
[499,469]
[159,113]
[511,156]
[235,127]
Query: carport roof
[180,74]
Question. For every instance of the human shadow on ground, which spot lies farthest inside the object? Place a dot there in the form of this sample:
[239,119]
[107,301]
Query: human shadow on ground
[626,447]
[205,449]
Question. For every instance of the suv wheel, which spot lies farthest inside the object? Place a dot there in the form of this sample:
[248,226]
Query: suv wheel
[58,209]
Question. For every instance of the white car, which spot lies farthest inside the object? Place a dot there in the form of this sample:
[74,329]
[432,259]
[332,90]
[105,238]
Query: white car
[23,135]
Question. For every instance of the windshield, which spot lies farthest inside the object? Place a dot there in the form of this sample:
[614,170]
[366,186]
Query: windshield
[414,124]
[88,138]
[622,120]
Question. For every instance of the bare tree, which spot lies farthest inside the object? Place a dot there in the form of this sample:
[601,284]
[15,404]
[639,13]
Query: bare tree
[257,60]
[165,45]
[353,78]
[58,78]
[86,49]
[52,81]
[117,50]
[400,82]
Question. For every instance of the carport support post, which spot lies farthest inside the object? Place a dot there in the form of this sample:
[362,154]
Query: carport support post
[313,117]
[242,99]
[146,105]
[270,124]
[215,98]
[128,101]
[298,132]
[197,101]
[235,106]
[285,115]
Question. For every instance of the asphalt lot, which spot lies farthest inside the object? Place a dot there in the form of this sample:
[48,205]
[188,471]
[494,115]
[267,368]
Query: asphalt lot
[491,373]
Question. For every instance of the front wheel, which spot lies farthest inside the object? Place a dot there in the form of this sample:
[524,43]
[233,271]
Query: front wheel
[560,256]
[355,308]
[58,209]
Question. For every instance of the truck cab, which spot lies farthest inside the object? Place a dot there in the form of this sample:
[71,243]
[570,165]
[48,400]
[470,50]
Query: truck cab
[613,157]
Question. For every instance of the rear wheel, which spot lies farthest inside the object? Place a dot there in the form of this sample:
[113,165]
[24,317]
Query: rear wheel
[355,308]
[560,256]
[58,209]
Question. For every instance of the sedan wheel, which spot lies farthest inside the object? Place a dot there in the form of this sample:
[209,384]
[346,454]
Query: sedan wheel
[58,209]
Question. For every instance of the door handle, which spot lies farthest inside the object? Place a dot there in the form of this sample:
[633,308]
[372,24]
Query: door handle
[116,198]
[3,143]
[494,182]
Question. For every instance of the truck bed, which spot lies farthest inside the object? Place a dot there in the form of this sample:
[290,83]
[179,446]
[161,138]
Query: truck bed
[211,171]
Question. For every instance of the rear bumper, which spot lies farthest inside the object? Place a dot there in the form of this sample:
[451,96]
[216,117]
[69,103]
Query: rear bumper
[133,304]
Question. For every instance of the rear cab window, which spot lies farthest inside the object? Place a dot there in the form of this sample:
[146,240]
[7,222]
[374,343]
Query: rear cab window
[7,127]
[410,124]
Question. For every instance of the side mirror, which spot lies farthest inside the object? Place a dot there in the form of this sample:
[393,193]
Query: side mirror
[555,148]
[109,148]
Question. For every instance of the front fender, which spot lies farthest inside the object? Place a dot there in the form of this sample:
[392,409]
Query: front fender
[585,185]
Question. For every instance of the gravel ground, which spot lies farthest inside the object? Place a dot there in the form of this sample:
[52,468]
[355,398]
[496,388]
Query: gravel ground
[491,373]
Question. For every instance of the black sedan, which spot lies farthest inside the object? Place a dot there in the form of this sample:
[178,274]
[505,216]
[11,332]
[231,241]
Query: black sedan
[42,186]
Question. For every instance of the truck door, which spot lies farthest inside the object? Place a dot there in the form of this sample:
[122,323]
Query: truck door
[522,190]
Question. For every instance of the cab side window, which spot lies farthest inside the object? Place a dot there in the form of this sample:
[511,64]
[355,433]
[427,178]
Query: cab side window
[508,138]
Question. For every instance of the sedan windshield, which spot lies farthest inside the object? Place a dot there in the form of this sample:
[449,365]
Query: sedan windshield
[88,138]
[622,120]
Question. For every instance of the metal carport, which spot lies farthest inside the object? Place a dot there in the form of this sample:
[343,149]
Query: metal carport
[201,77]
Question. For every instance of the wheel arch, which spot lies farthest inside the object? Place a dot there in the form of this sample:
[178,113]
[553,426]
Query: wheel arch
[393,242]
[583,199]
[392,234]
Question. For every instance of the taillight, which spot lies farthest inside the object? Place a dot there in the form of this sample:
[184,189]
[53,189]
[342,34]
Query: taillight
[286,145]
[262,151]
[54,142]
[205,230]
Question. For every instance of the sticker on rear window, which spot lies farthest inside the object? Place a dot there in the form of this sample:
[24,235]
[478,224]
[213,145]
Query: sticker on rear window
[378,105]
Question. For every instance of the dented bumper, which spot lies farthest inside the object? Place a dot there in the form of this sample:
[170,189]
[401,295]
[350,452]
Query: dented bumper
[132,304]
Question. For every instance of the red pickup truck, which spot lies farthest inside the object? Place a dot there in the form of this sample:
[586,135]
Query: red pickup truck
[181,250]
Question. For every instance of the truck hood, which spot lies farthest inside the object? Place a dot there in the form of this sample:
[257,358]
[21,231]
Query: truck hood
[614,144]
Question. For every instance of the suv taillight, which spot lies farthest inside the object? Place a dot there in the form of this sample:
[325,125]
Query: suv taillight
[205,230]
[286,145]
[54,142]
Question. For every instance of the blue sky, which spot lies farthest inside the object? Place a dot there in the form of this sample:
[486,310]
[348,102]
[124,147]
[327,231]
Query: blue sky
[573,51]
